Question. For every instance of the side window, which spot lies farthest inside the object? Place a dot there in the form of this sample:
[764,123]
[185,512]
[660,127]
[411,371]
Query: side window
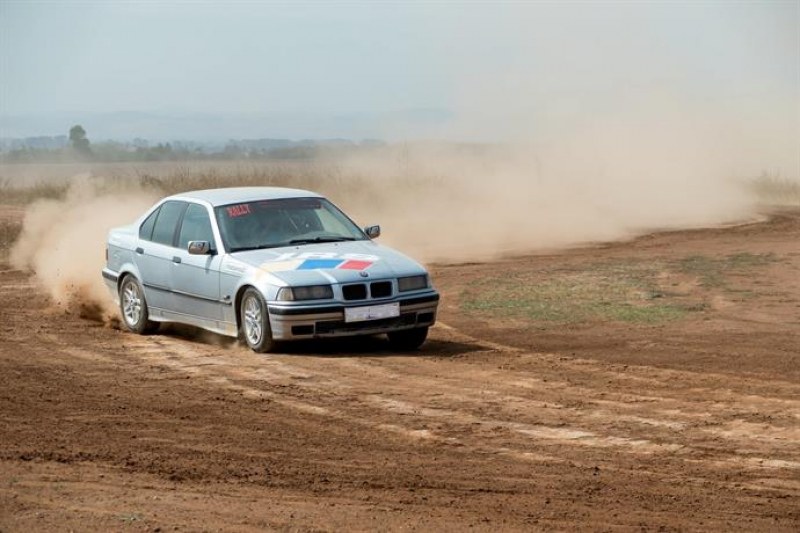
[196,226]
[146,229]
[167,222]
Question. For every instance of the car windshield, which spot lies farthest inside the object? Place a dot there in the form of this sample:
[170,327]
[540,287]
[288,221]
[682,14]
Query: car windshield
[283,222]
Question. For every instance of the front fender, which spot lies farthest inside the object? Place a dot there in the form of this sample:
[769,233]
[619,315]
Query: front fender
[236,276]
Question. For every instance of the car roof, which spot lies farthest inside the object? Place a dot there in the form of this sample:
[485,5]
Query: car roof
[232,195]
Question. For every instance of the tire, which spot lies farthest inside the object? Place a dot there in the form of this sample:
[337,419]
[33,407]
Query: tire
[133,307]
[255,330]
[408,339]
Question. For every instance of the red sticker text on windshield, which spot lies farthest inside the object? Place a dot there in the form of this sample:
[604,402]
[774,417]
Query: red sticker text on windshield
[238,210]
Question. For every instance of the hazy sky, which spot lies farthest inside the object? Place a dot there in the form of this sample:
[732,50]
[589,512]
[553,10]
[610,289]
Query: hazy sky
[477,65]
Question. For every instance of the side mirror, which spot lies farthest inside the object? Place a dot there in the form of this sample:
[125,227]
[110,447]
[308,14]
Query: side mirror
[199,247]
[373,232]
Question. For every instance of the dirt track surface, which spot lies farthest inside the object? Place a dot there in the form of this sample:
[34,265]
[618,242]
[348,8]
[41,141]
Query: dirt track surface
[494,425]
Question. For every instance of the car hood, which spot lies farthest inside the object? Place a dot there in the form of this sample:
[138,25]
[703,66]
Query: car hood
[324,263]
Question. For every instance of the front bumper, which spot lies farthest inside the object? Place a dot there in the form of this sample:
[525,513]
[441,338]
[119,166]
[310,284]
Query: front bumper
[306,322]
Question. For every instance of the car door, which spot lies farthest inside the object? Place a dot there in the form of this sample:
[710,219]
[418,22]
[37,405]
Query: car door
[195,278]
[154,253]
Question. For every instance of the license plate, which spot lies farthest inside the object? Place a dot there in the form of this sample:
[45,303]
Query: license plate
[372,312]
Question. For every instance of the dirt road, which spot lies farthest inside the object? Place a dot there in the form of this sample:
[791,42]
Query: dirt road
[500,423]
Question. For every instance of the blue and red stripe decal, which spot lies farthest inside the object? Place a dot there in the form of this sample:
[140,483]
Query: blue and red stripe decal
[330,264]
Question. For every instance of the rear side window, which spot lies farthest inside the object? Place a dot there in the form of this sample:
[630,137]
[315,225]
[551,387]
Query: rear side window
[196,226]
[167,222]
[146,229]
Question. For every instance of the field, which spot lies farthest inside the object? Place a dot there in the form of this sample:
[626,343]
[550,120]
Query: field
[651,383]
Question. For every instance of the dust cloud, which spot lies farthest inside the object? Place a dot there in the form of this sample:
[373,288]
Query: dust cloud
[610,123]
[443,201]
[63,241]
[615,180]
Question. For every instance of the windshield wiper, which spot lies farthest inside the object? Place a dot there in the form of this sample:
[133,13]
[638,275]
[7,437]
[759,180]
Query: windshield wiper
[321,239]
[259,247]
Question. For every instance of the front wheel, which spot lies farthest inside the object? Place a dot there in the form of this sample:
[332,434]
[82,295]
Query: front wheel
[255,322]
[133,306]
[408,339]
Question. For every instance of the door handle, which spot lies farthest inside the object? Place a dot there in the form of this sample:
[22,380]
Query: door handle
[176,259]
[140,250]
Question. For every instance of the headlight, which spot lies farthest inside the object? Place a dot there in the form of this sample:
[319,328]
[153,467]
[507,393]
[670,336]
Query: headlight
[412,283]
[312,292]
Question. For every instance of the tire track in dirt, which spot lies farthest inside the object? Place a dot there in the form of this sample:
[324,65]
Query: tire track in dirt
[491,408]
[699,447]
[464,411]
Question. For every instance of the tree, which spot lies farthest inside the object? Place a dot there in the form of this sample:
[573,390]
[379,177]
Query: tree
[77,136]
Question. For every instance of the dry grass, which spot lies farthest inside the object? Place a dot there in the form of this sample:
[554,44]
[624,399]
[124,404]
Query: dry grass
[776,190]
[713,272]
[9,231]
[625,291]
[630,291]
[16,195]
[176,180]
[324,176]
[276,175]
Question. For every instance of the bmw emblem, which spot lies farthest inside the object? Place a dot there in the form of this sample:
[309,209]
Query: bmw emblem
[364,274]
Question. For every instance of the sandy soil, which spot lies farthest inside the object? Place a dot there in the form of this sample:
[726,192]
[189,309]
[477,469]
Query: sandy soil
[495,424]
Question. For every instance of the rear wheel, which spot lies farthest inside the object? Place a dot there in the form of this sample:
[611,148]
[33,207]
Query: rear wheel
[255,328]
[408,339]
[133,307]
